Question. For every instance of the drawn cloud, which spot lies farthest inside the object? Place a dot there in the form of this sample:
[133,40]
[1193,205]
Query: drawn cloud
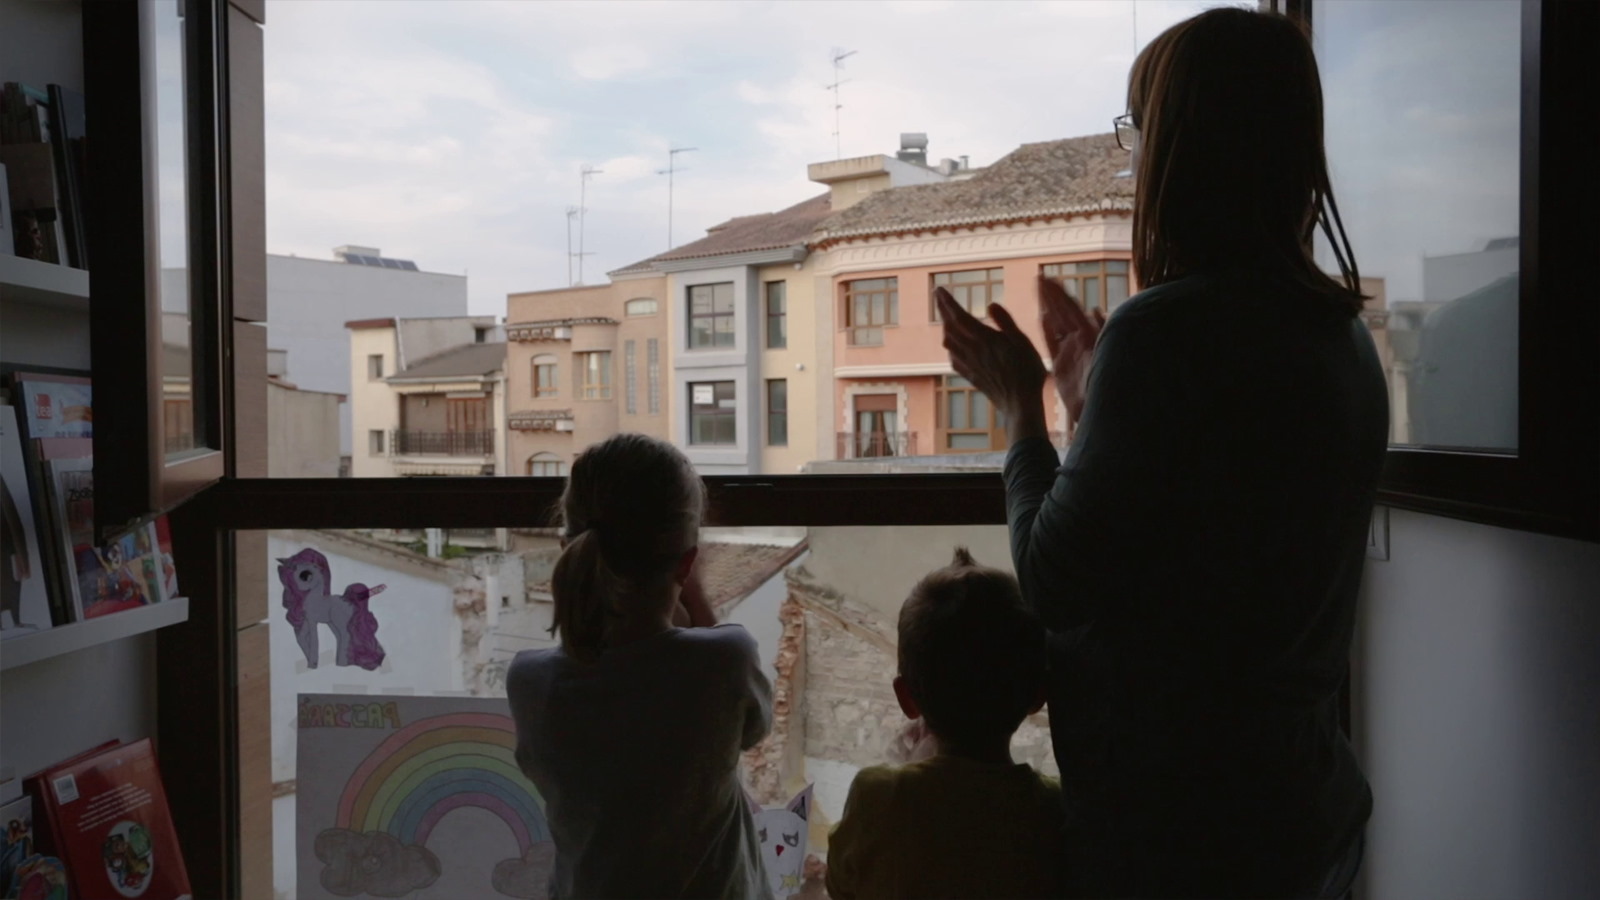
[373,863]
[527,878]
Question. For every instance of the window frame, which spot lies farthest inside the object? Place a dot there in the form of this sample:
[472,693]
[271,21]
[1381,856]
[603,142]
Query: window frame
[375,367]
[544,458]
[995,431]
[1551,483]
[540,391]
[731,414]
[775,411]
[994,282]
[377,442]
[1102,275]
[712,318]
[891,304]
[584,366]
[778,318]
[628,307]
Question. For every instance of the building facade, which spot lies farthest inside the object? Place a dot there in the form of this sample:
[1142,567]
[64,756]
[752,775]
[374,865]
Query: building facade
[427,396]
[582,364]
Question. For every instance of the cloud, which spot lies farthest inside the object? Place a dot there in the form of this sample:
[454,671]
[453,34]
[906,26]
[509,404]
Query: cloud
[528,877]
[605,61]
[373,863]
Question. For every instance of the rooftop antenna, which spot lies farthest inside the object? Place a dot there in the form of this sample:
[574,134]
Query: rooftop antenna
[584,174]
[839,56]
[572,213]
[672,166]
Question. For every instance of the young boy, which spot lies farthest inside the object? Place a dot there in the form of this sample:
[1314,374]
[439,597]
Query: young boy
[968,822]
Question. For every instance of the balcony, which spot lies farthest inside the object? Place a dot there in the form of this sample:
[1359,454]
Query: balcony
[874,444]
[441,443]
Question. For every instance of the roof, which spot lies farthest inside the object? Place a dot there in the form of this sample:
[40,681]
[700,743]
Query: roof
[743,234]
[467,360]
[360,324]
[1046,179]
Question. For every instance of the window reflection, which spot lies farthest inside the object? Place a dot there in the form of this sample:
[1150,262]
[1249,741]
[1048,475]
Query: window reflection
[1422,120]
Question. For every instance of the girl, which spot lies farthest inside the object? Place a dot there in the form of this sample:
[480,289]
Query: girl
[632,728]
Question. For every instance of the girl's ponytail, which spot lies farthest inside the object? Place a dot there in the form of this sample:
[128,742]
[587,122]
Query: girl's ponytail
[630,511]
[584,588]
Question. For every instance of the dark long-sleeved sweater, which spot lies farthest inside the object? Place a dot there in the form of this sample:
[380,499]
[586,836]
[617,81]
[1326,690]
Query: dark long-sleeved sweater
[1197,557]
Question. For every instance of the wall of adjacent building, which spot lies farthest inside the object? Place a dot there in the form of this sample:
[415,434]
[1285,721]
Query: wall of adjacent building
[798,364]
[738,364]
[303,441]
[371,405]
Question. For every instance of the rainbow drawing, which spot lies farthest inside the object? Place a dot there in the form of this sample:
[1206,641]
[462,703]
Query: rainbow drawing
[422,772]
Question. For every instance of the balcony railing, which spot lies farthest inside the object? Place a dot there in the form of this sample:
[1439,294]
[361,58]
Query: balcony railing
[442,443]
[875,444]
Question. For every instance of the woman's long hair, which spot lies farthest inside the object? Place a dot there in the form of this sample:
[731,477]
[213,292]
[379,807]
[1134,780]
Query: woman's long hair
[1231,169]
[631,510]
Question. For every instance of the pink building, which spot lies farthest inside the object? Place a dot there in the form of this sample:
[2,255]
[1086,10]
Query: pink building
[1058,208]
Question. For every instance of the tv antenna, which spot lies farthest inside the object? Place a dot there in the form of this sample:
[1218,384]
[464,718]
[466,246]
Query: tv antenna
[672,166]
[584,174]
[572,213]
[839,56]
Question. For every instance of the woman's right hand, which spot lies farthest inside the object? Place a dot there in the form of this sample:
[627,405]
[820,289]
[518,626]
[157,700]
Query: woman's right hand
[1069,337]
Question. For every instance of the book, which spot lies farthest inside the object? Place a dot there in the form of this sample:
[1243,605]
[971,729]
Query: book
[112,827]
[104,578]
[57,419]
[24,872]
[8,234]
[55,406]
[24,578]
[67,119]
[169,569]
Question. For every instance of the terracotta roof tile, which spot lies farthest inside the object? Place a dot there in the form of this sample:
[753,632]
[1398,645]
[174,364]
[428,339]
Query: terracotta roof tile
[1061,177]
[743,234]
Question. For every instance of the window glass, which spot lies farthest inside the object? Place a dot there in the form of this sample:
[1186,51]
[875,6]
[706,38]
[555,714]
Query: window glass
[713,413]
[973,289]
[1423,115]
[711,316]
[546,465]
[630,381]
[777,315]
[375,366]
[544,376]
[457,605]
[778,412]
[643,306]
[595,368]
[653,366]
[870,304]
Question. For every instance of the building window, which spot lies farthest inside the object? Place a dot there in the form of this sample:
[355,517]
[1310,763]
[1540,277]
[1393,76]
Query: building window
[653,376]
[973,290]
[711,315]
[641,306]
[630,373]
[1101,285]
[544,375]
[713,413]
[375,442]
[546,465]
[480,335]
[777,315]
[375,367]
[869,305]
[777,412]
[967,421]
[595,370]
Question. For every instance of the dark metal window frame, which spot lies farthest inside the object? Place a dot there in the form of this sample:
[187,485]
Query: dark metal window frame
[1551,483]
[1549,486]
[777,413]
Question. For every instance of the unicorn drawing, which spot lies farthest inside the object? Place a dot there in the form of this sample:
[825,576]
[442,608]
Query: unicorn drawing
[310,602]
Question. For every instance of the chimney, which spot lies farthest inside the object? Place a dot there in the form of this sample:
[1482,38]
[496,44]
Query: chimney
[913,148]
[948,166]
[965,163]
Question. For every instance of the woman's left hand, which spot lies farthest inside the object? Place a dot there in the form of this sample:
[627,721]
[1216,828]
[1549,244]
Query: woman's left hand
[1000,362]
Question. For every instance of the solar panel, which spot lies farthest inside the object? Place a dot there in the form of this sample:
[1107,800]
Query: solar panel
[409,266]
[381,262]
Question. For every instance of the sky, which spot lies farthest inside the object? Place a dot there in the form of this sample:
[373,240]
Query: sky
[452,132]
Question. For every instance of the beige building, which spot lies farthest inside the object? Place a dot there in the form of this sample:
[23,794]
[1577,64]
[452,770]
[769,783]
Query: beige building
[427,396]
[303,441]
[582,364]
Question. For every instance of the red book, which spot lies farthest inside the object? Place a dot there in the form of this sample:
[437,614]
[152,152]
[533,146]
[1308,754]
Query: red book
[112,826]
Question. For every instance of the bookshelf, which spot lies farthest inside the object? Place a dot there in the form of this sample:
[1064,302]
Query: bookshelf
[35,283]
[62,639]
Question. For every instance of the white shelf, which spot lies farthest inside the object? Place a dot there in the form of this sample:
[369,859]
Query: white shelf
[43,284]
[31,648]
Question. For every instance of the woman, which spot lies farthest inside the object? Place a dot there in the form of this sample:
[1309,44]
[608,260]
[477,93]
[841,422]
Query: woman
[1199,552]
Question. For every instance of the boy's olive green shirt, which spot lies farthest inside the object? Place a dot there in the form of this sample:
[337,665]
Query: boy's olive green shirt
[947,827]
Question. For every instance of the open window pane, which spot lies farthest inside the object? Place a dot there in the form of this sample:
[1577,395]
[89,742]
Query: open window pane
[1423,116]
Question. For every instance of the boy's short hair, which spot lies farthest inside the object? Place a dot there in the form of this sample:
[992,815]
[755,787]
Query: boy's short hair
[972,654]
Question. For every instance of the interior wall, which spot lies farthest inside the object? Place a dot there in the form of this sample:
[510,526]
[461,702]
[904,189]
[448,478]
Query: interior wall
[1478,713]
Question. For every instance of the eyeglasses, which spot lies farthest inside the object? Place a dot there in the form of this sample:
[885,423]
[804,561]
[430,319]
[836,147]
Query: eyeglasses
[1127,131]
